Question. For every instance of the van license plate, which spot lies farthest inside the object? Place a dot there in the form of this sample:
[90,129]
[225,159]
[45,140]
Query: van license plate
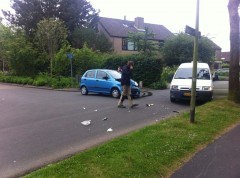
[186,94]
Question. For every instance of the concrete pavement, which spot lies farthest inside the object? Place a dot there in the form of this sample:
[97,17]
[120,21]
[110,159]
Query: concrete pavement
[220,159]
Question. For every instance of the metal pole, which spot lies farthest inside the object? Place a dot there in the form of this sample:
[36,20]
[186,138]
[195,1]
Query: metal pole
[71,73]
[194,70]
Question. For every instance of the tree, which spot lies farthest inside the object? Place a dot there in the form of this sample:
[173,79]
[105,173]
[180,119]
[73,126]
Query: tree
[81,36]
[51,36]
[74,13]
[77,13]
[27,14]
[5,33]
[103,44]
[22,56]
[94,40]
[144,41]
[179,49]
[234,92]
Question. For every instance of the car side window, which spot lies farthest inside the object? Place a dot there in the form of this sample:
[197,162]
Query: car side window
[90,74]
[101,75]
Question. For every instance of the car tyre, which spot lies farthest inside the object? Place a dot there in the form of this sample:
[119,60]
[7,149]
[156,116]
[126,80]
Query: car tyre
[84,90]
[115,93]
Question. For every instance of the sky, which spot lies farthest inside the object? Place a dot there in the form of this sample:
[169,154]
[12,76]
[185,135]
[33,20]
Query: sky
[173,14]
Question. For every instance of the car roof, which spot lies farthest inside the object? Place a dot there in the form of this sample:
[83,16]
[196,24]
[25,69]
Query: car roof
[102,69]
[190,64]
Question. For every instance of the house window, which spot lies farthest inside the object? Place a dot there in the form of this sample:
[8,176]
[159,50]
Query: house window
[128,45]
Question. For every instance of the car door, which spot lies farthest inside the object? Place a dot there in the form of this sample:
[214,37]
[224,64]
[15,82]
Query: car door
[89,80]
[103,82]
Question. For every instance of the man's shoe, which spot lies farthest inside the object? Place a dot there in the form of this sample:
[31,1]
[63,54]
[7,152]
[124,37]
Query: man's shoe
[121,106]
[134,105]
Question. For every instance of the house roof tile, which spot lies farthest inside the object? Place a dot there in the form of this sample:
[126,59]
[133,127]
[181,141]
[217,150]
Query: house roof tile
[121,28]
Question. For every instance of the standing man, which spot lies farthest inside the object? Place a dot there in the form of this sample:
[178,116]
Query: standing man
[126,85]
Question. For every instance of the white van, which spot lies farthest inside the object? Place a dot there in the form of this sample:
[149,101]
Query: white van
[180,88]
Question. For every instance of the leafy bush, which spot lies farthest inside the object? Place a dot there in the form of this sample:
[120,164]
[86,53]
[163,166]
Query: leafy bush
[16,79]
[146,69]
[225,65]
[83,59]
[41,80]
[168,73]
[159,85]
[23,58]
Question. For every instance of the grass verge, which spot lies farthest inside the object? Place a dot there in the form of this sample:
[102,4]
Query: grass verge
[154,151]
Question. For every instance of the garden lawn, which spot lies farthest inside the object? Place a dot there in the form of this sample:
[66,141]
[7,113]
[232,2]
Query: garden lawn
[154,151]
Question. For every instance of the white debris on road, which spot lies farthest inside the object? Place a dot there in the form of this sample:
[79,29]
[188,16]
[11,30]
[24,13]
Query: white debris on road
[86,123]
[109,130]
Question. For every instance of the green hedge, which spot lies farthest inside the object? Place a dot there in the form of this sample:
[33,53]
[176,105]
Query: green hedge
[41,80]
[146,69]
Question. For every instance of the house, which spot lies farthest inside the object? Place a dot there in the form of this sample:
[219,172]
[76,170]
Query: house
[225,57]
[217,51]
[117,31]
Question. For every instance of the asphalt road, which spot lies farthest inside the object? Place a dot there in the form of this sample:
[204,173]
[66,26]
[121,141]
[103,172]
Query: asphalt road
[38,127]
[220,89]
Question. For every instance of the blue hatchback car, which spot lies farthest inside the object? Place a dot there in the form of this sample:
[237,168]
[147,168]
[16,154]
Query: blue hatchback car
[105,81]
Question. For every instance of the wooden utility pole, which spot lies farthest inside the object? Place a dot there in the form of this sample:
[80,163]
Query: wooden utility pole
[194,69]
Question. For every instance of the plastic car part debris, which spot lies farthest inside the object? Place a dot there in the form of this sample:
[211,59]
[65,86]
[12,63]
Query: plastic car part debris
[86,123]
[176,111]
[105,118]
[109,130]
[148,105]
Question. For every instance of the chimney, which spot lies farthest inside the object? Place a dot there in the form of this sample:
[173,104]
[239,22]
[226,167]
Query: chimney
[139,22]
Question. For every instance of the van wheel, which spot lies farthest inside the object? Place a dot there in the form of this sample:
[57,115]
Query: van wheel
[84,90]
[115,93]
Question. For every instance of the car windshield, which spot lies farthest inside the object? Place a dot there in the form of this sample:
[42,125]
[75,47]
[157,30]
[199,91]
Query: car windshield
[114,74]
[186,73]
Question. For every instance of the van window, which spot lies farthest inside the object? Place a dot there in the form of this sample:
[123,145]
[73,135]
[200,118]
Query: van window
[186,73]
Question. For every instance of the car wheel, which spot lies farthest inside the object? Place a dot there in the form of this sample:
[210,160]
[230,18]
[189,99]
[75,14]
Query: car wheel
[115,93]
[84,90]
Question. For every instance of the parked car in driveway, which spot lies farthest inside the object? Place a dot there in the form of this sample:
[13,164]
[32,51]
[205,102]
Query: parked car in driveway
[105,81]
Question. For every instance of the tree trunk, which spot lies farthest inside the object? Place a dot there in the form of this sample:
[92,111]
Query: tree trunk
[234,92]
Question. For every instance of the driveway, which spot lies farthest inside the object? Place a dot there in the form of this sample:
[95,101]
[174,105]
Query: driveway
[220,89]
[38,127]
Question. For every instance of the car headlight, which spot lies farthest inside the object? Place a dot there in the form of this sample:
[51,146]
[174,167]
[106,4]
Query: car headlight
[174,87]
[136,84]
[206,88]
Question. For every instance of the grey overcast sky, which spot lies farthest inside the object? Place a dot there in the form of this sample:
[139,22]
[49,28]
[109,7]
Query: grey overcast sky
[173,14]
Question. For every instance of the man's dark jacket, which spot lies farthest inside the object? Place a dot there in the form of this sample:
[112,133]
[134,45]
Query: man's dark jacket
[126,75]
